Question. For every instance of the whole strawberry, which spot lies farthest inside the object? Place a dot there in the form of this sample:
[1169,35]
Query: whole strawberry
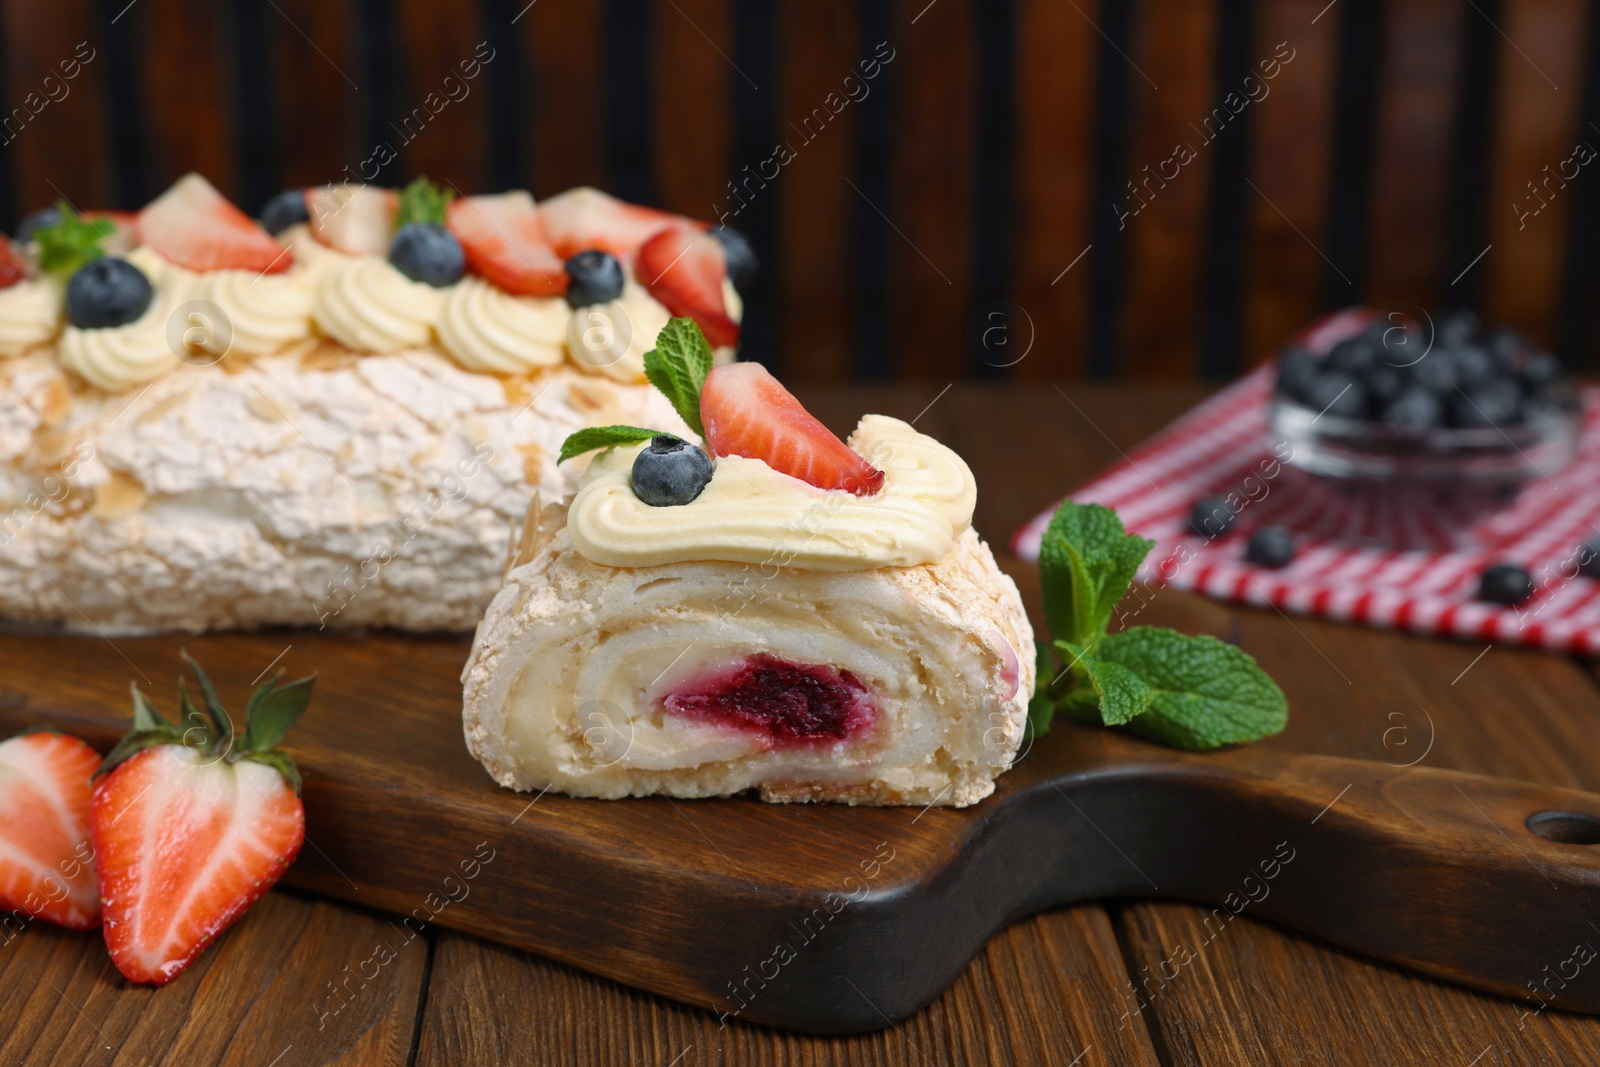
[46,863]
[193,823]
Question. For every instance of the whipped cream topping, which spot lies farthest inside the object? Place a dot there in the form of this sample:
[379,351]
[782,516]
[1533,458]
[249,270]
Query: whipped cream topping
[750,513]
[30,314]
[488,329]
[117,358]
[368,305]
[266,312]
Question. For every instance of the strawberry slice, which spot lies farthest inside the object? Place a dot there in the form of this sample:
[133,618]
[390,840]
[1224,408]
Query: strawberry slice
[683,269]
[746,412]
[505,241]
[46,862]
[196,227]
[123,239]
[13,268]
[190,829]
[584,218]
[354,218]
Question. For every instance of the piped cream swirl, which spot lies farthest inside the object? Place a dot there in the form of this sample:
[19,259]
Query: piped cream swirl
[265,311]
[30,314]
[750,513]
[488,329]
[369,306]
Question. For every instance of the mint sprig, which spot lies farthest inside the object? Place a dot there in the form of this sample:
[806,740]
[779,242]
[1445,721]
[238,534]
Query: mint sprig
[423,201]
[678,366]
[73,241]
[1191,692]
[587,440]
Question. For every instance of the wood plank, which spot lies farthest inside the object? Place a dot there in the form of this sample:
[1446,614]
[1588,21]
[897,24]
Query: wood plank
[1385,697]
[1411,177]
[315,103]
[186,102]
[693,77]
[566,115]
[264,990]
[815,259]
[1537,128]
[441,127]
[61,118]
[1174,97]
[1042,992]
[1290,161]
[1057,54]
[930,197]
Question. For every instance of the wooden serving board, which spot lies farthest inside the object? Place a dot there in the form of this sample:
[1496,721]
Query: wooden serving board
[833,919]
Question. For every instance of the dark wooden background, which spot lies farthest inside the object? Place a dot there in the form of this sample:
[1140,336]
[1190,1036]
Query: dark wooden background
[987,156]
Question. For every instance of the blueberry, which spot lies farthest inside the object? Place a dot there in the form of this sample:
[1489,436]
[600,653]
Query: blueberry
[1416,409]
[1505,583]
[1296,368]
[107,292]
[1383,384]
[1539,370]
[1354,354]
[1436,371]
[1270,546]
[1211,517]
[1589,558]
[427,252]
[593,277]
[742,263]
[1508,346]
[1474,367]
[284,210]
[1497,404]
[1457,327]
[37,220]
[670,472]
[1336,394]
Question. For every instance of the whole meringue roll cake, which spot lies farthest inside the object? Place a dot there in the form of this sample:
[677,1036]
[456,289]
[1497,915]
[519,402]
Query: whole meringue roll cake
[812,644]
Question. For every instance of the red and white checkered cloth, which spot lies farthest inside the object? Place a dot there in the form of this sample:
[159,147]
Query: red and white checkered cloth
[1361,557]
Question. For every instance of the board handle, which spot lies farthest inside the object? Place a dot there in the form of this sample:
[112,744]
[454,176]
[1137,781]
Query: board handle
[1488,882]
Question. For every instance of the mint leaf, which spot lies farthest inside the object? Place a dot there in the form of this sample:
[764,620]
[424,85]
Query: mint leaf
[678,366]
[1119,694]
[1086,563]
[1042,705]
[422,201]
[1205,693]
[594,437]
[73,241]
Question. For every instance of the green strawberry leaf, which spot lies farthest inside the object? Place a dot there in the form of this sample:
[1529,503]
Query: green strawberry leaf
[222,740]
[133,744]
[423,201]
[1205,693]
[587,440]
[73,241]
[273,709]
[1086,563]
[678,366]
[145,715]
[1119,693]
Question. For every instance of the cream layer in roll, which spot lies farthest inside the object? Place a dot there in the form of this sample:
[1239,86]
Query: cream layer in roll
[894,685]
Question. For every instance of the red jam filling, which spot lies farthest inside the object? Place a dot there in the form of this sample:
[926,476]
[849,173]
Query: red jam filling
[787,703]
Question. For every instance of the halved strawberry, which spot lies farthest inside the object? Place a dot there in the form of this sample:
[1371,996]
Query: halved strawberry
[196,227]
[746,412]
[683,269]
[584,218]
[354,218]
[191,828]
[505,241]
[46,861]
[125,237]
[13,268]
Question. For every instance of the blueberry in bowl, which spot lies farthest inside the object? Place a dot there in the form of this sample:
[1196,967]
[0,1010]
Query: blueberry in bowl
[1368,397]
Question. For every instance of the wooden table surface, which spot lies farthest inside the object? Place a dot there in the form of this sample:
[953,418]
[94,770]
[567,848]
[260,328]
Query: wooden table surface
[293,983]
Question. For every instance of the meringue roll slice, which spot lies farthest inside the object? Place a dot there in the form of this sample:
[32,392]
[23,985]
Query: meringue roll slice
[812,644]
